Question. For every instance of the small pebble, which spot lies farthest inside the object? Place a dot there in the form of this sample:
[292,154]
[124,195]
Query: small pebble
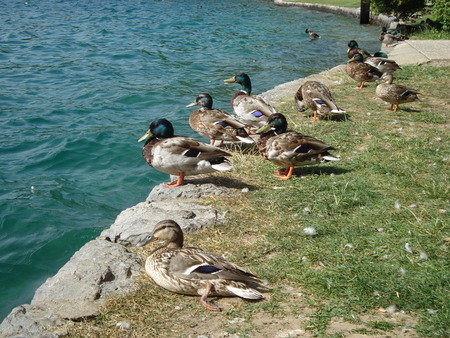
[310,231]
[123,325]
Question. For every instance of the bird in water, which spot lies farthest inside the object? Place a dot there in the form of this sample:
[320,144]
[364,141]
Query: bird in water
[289,149]
[312,34]
[179,155]
[216,124]
[193,271]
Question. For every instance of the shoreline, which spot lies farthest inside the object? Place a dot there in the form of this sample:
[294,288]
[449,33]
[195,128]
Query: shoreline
[102,276]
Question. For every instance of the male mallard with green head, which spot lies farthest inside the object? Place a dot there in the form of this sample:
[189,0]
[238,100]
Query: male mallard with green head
[317,97]
[361,72]
[252,110]
[180,155]
[289,149]
[354,49]
[216,124]
[193,271]
[395,94]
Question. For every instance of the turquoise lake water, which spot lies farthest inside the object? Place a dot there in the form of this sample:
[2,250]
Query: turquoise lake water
[81,81]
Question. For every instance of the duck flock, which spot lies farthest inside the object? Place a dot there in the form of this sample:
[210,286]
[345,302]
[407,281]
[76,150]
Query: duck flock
[193,271]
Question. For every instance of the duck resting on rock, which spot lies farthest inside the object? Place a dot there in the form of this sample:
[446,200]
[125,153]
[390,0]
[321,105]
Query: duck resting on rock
[317,97]
[179,155]
[216,124]
[251,109]
[289,149]
[193,271]
[395,94]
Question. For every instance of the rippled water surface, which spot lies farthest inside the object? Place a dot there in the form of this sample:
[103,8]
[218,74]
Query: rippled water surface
[80,82]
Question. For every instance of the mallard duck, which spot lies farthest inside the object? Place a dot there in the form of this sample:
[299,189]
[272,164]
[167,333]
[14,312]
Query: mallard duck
[317,97]
[312,34]
[216,124]
[395,94]
[383,64]
[180,155]
[354,49]
[192,271]
[290,149]
[250,109]
[361,72]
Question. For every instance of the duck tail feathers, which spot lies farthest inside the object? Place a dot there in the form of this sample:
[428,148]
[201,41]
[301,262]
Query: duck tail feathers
[246,293]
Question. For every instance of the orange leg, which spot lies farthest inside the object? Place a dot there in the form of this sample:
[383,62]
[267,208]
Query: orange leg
[204,299]
[314,118]
[221,143]
[360,86]
[284,175]
[396,107]
[178,182]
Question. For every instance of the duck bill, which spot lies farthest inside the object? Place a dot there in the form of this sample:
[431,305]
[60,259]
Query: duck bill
[146,136]
[230,80]
[263,129]
[146,240]
[191,104]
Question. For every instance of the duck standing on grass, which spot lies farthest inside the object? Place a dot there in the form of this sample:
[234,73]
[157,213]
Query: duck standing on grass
[192,271]
[216,124]
[290,149]
[252,110]
[393,93]
[180,155]
[361,72]
[383,64]
[312,34]
[317,97]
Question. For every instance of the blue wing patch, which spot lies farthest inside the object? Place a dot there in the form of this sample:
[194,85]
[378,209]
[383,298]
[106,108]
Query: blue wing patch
[192,153]
[303,149]
[257,113]
[319,101]
[223,123]
[206,269]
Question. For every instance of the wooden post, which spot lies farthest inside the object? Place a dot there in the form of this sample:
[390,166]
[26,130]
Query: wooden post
[364,15]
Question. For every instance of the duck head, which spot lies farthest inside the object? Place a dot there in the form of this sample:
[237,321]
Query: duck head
[160,128]
[243,79]
[204,100]
[276,122]
[168,231]
[356,58]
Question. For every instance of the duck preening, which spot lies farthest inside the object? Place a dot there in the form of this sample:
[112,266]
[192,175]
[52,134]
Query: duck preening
[317,97]
[179,155]
[193,271]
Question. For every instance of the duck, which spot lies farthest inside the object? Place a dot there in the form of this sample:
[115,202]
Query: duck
[216,124]
[252,110]
[383,64]
[180,155]
[361,72]
[312,34]
[353,49]
[193,271]
[317,97]
[395,94]
[289,149]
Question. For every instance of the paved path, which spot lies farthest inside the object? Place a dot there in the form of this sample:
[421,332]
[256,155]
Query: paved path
[420,52]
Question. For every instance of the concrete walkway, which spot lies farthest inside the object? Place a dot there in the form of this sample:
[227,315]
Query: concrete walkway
[420,52]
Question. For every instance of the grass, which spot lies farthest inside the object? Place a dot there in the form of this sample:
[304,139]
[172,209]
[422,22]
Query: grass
[389,193]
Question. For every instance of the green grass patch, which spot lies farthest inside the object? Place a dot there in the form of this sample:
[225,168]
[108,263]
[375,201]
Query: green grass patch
[381,216]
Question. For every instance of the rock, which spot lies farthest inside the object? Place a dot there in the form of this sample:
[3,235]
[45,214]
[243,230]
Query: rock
[133,224]
[32,320]
[98,270]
